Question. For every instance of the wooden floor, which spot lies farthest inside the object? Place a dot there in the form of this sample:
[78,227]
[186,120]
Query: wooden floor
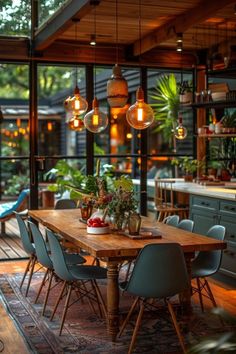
[10,243]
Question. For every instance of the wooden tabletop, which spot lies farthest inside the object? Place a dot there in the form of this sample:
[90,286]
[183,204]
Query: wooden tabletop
[67,224]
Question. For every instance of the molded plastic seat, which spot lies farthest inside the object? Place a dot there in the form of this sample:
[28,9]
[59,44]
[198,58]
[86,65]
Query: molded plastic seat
[171,220]
[186,224]
[65,204]
[170,278]
[45,260]
[75,276]
[206,264]
[29,249]
[7,210]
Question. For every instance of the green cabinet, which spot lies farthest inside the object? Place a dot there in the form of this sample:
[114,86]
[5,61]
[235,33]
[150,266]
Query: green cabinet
[206,212]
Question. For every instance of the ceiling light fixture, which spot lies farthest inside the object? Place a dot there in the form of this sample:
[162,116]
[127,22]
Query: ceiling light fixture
[95,120]
[92,40]
[117,87]
[179,41]
[140,115]
[75,105]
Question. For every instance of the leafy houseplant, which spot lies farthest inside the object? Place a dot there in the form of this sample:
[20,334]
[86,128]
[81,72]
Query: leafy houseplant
[188,165]
[167,107]
[185,92]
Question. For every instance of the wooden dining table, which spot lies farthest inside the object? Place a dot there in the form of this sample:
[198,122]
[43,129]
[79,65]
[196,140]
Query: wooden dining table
[114,248]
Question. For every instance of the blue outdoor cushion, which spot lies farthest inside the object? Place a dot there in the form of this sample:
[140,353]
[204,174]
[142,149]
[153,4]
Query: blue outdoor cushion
[8,208]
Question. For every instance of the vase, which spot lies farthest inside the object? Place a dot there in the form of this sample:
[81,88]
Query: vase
[117,222]
[86,211]
[134,223]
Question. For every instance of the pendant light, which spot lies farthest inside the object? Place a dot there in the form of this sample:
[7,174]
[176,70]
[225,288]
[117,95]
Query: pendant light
[140,115]
[76,123]
[180,130]
[95,120]
[117,87]
[76,105]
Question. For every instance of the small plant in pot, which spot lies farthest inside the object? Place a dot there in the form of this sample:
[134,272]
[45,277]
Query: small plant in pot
[185,92]
[228,123]
[188,165]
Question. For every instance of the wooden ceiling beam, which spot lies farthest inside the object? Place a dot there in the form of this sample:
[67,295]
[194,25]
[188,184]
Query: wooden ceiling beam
[61,21]
[179,24]
[12,48]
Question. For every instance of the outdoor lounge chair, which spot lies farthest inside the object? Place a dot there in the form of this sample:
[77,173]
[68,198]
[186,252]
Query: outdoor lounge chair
[7,209]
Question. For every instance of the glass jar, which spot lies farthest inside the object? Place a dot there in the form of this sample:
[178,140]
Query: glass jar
[134,223]
[86,211]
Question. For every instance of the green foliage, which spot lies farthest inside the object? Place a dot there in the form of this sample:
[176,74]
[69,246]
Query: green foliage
[187,164]
[167,106]
[16,184]
[63,175]
[229,120]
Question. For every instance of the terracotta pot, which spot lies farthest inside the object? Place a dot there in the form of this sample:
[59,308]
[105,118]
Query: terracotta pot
[188,178]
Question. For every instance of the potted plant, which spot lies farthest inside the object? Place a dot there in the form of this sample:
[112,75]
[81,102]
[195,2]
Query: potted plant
[188,165]
[228,123]
[185,92]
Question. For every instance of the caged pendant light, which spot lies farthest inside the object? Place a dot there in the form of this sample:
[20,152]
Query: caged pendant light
[76,105]
[117,87]
[95,120]
[140,115]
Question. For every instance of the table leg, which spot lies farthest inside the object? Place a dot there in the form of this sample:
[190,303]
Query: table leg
[185,297]
[112,300]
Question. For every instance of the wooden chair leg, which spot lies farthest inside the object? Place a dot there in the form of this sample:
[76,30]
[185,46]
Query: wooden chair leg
[3,228]
[100,298]
[41,286]
[66,306]
[137,325]
[128,316]
[26,270]
[175,323]
[58,300]
[200,293]
[30,275]
[48,291]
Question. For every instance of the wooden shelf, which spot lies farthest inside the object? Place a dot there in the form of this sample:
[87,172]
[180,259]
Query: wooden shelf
[217,135]
[215,104]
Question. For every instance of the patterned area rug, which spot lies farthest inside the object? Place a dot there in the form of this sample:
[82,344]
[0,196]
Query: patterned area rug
[85,333]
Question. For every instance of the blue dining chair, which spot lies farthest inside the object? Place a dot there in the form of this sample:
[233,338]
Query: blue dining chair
[169,278]
[186,224]
[75,277]
[171,220]
[45,260]
[207,264]
[65,204]
[29,249]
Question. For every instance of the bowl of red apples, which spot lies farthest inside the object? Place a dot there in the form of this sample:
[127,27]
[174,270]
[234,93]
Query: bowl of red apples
[97,226]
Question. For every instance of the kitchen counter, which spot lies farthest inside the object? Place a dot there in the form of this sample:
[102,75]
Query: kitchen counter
[227,192]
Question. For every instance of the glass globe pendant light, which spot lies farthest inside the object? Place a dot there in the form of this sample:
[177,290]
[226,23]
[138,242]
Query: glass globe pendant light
[117,87]
[140,115]
[76,123]
[95,120]
[180,130]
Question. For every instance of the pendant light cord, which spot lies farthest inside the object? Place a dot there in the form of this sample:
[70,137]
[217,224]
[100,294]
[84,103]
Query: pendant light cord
[117,54]
[76,55]
[95,58]
[140,30]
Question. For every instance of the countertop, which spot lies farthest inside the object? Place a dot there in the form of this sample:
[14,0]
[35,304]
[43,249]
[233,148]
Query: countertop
[222,192]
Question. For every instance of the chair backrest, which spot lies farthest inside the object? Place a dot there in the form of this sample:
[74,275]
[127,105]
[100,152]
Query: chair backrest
[171,220]
[40,246]
[159,271]
[164,195]
[65,204]
[57,256]
[186,224]
[25,236]
[20,204]
[211,260]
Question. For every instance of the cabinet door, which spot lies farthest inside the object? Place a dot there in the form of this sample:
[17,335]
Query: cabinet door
[228,264]
[202,220]
[230,225]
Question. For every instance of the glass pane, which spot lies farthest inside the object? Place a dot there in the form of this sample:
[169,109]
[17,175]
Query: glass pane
[15,17]
[47,9]
[56,83]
